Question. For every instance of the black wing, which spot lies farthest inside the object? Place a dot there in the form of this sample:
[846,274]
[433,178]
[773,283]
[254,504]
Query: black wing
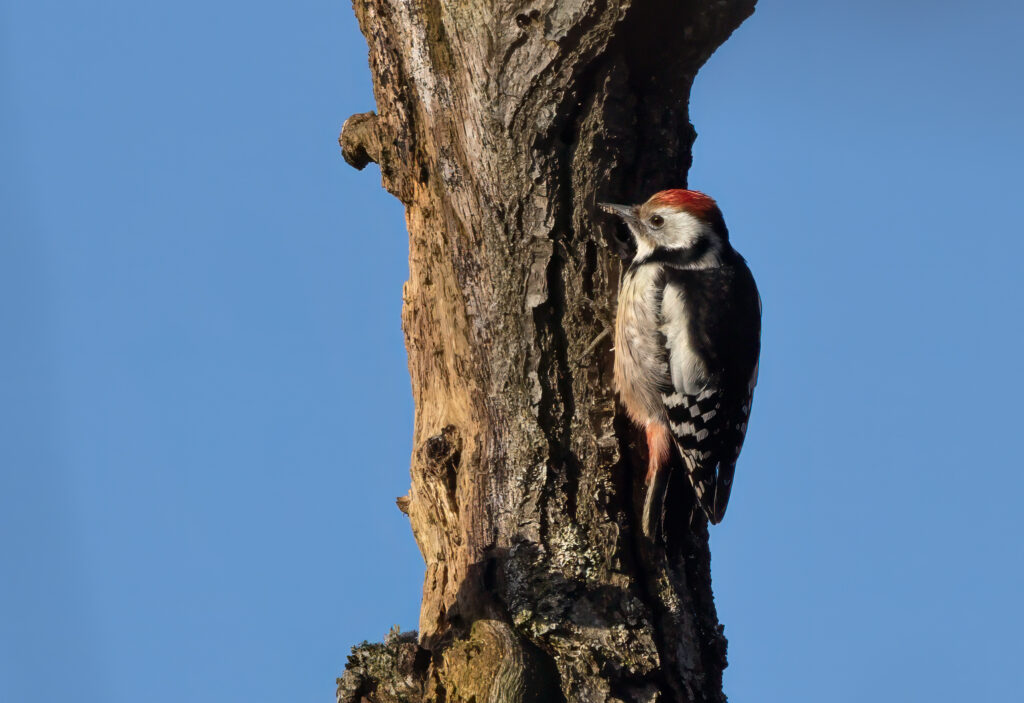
[723,314]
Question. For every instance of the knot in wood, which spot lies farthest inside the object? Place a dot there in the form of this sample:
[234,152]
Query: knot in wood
[442,449]
[360,140]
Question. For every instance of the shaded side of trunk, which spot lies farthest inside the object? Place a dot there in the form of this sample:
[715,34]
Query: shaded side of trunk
[499,126]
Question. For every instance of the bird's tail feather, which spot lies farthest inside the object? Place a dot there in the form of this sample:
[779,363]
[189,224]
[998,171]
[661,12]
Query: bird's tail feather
[654,503]
[723,489]
[712,485]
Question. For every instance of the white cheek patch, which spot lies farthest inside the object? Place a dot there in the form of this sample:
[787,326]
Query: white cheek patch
[681,230]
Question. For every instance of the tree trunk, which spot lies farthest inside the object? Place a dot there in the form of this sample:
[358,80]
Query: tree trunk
[499,126]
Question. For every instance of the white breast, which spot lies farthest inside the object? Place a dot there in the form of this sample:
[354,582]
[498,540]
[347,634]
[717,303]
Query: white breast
[641,367]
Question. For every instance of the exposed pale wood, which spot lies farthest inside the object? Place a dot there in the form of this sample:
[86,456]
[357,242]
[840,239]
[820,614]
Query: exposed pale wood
[498,126]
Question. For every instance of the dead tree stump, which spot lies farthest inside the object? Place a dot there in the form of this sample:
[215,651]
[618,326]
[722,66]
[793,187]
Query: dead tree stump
[498,126]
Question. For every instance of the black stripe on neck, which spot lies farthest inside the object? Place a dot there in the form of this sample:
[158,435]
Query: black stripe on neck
[676,257]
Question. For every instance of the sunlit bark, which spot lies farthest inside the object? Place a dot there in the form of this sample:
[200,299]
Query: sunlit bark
[498,126]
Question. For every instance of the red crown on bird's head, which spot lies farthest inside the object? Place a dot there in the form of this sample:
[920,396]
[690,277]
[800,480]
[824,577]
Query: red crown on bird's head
[693,201]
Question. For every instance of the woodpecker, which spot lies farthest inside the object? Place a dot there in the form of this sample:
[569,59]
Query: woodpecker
[687,341]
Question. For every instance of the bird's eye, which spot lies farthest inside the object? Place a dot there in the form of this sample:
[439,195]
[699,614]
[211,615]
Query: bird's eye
[656,220]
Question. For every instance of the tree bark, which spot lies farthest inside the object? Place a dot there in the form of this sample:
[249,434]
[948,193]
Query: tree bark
[499,126]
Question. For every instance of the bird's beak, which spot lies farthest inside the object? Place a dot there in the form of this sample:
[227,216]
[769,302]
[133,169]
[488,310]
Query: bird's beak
[625,247]
[626,212]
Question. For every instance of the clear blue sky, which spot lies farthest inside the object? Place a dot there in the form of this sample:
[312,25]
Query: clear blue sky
[205,411]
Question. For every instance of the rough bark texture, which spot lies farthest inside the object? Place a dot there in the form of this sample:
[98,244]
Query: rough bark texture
[499,126]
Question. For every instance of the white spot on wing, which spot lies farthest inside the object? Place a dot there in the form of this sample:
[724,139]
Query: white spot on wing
[674,400]
[682,429]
